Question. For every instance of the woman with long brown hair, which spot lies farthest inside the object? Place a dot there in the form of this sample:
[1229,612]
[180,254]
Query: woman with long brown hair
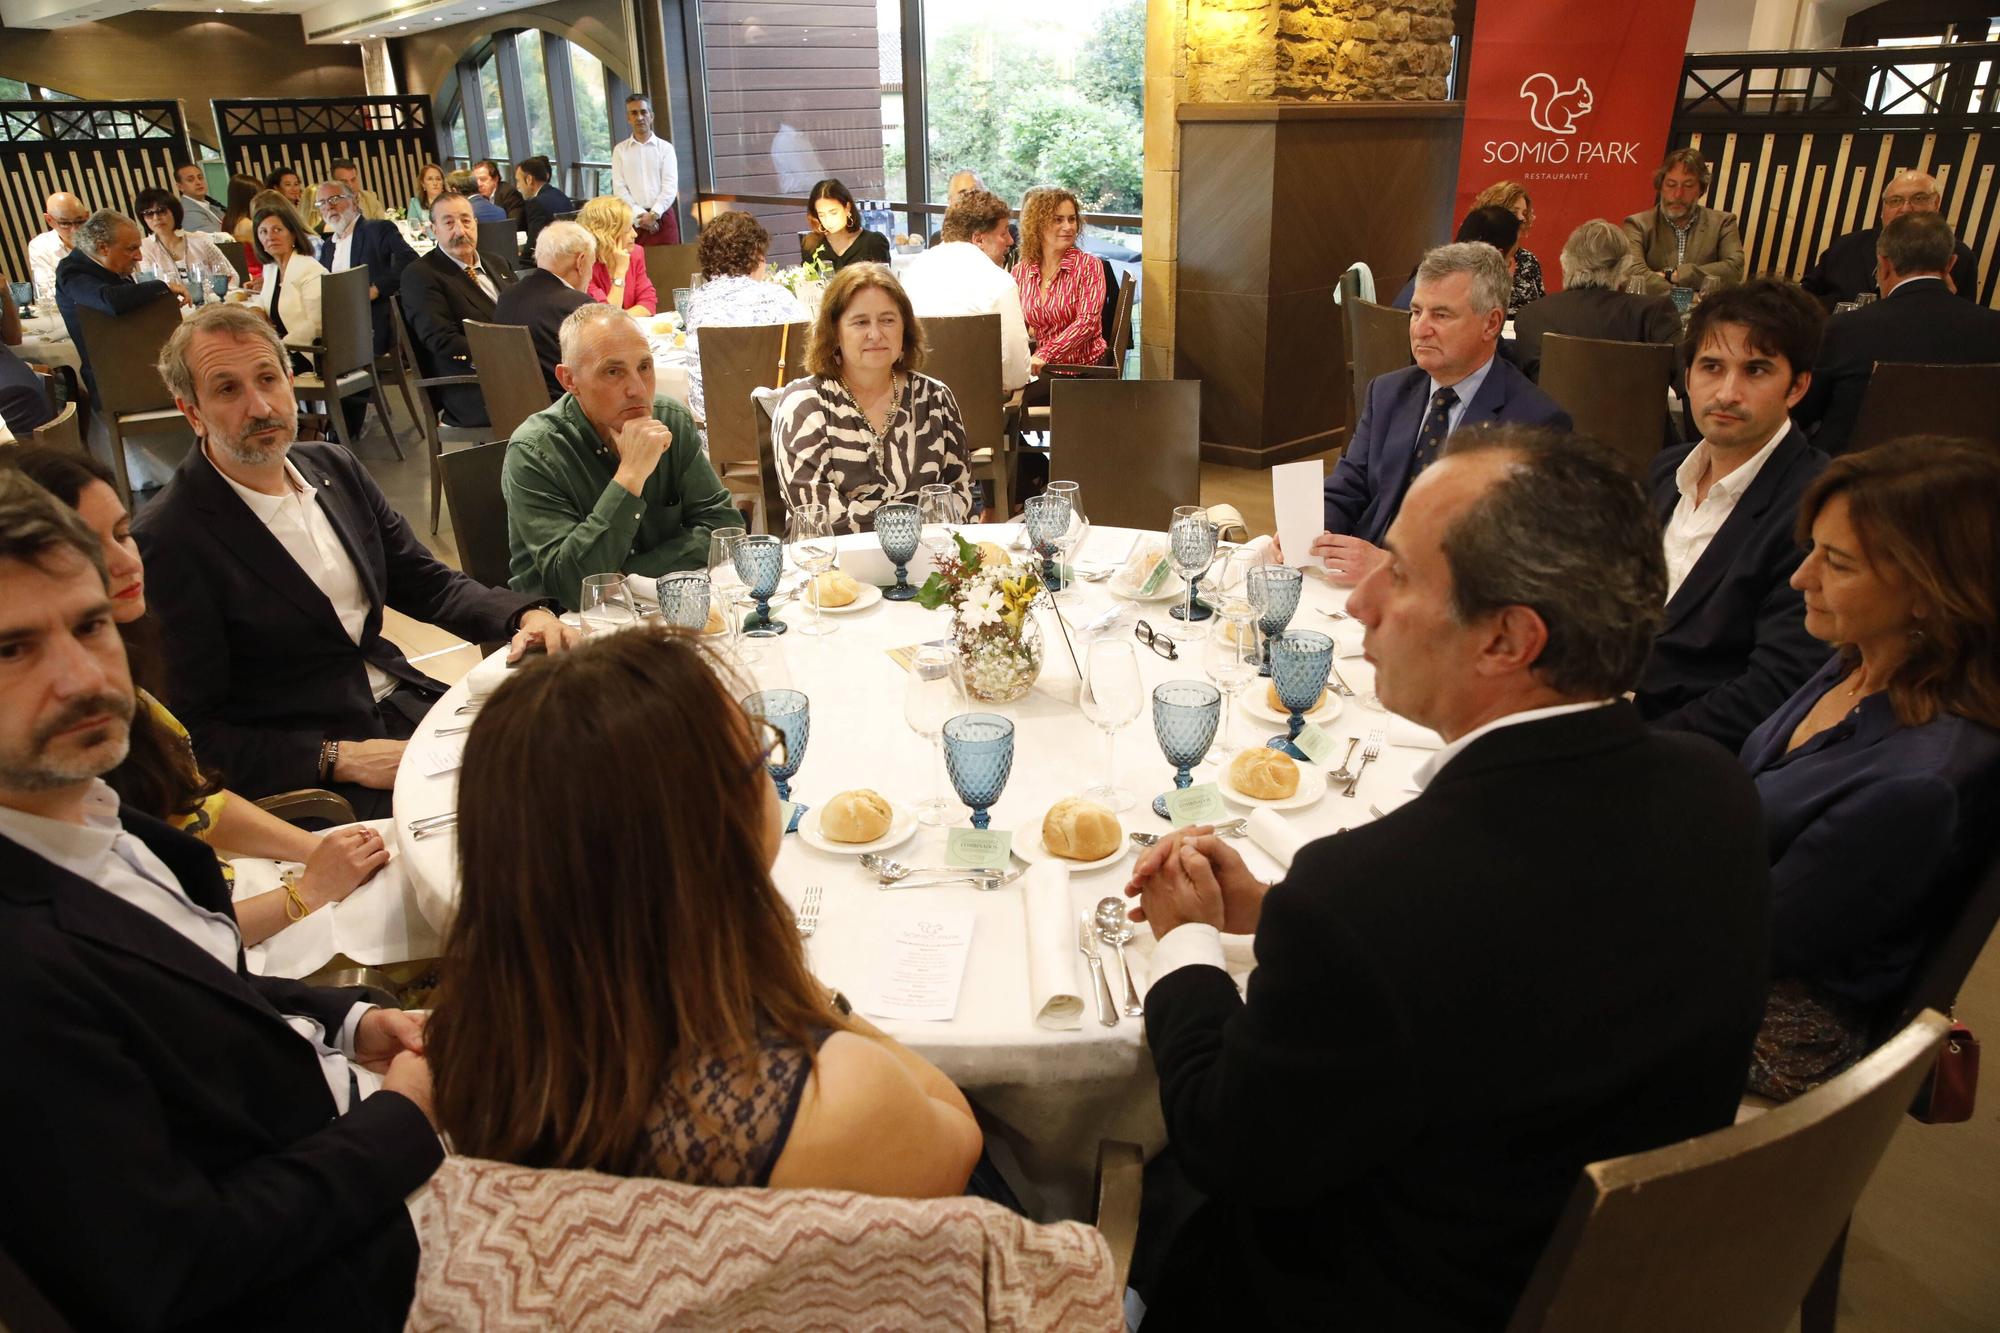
[623,989]
[1881,776]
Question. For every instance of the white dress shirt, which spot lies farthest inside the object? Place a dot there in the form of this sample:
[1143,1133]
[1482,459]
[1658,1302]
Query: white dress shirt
[44,253]
[485,283]
[645,175]
[100,851]
[343,250]
[957,278]
[1693,526]
[301,526]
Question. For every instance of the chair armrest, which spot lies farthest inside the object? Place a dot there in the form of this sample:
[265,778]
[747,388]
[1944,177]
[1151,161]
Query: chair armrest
[1121,1169]
[309,803]
[1083,372]
[435,380]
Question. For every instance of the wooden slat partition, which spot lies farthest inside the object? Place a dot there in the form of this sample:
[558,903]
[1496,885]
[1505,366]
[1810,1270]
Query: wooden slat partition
[389,139]
[102,152]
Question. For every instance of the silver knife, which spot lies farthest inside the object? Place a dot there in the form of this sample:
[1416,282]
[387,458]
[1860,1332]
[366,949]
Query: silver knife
[1107,1004]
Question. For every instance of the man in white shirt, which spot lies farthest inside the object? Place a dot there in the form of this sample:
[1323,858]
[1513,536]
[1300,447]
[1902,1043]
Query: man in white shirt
[238,1146]
[961,275]
[645,175]
[64,213]
[1734,645]
[198,211]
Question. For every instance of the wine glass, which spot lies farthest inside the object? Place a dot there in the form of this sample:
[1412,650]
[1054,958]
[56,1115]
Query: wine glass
[1273,592]
[1191,537]
[1229,658]
[811,537]
[1300,660]
[929,697]
[684,600]
[896,527]
[938,506]
[978,754]
[1112,697]
[1048,523]
[759,559]
[605,605]
[1078,531]
[790,712]
[725,585]
[1185,714]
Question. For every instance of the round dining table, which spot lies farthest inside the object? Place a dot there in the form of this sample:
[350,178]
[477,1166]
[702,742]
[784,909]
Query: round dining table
[1046,1097]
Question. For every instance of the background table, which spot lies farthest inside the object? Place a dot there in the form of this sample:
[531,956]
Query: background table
[1046,1097]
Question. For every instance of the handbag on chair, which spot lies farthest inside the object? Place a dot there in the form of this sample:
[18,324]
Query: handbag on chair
[1946,1097]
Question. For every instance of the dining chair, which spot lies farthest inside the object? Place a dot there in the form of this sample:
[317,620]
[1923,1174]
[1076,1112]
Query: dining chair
[233,252]
[63,432]
[1961,401]
[1117,345]
[669,267]
[1378,342]
[479,511]
[771,508]
[734,361]
[964,352]
[345,355]
[436,434]
[123,353]
[510,375]
[498,244]
[1724,1232]
[1614,392]
[1134,446]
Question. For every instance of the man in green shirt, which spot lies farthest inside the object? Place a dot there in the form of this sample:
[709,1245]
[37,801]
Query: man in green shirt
[610,477]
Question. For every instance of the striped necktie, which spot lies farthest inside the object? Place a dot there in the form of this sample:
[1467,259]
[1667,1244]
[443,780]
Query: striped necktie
[1437,425]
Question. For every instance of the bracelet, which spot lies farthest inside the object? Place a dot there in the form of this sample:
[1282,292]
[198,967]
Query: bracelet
[295,906]
[329,759]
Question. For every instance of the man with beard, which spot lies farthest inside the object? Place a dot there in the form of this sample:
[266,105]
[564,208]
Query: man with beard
[235,1148]
[1681,242]
[271,563]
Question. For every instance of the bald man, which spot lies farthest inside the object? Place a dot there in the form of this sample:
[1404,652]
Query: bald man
[64,213]
[1848,267]
[961,184]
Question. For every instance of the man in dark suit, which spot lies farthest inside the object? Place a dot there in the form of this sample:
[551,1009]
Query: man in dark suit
[184,1156]
[1847,268]
[1734,645]
[443,289]
[1595,259]
[488,180]
[1918,319]
[270,565]
[1455,319]
[542,298]
[353,241]
[1600,972]
[542,203]
[97,275]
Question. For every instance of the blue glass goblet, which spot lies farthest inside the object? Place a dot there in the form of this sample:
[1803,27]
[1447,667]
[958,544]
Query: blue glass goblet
[1191,542]
[684,600]
[1185,716]
[24,296]
[979,754]
[219,284]
[760,558]
[896,527]
[1300,660]
[1273,593]
[1048,523]
[791,713]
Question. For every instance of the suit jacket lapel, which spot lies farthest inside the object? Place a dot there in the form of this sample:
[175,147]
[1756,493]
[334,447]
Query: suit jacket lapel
[249,542]
[1492,397]
[1720,557]
[336,504]
[1406,418]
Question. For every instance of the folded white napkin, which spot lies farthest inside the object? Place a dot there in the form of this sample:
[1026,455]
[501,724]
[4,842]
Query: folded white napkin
[1053,991]
[1278,839]
[1404,732]
[485,678]
[643,589]
[376,925]
[1346,636]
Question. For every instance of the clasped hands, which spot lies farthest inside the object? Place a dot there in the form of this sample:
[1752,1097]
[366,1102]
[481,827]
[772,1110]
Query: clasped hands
[390,1042]
[1190,875]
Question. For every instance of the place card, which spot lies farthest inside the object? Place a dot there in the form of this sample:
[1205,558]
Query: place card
[920,965]
[1315,745]
[1199,804]
[439,755]
[978,848]
[791,812]
[903,656]
[1298,505]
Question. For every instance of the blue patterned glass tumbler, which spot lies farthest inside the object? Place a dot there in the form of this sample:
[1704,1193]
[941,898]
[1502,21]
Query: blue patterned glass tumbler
[791,713]
[684,600]
[760,558]
[1273,593]
[896,527]
[1185,716]
[1191,542]
[979,754]
[1048,523]
[1300,660]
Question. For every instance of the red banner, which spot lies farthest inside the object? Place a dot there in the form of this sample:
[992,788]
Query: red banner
[1573,99]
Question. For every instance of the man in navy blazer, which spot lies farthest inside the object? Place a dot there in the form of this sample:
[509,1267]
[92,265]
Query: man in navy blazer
[1734,646]
[353,241]
[1455,319]
[97,275]
[1918,319]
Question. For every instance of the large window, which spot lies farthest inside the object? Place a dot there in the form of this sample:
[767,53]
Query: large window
[525,92]
[593,115]
[489,101]
[535,96]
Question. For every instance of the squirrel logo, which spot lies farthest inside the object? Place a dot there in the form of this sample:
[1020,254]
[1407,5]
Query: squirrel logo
[1551,110]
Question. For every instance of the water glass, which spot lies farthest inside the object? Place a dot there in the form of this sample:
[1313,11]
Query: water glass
[791,713]
[1185,716]
[24,295]
[938,506]
[684,600]
[811,534]
[219,284]
[978,754]
[1191,538]
[1048,519]
[1273,593]
[759,559]
[605,605]
[725,585]
[929,697]
[1300,660]
[682,295]
[1229,658]
[1112,697]
[897,526]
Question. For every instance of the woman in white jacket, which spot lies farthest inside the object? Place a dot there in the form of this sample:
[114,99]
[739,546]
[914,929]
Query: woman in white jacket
[289,292]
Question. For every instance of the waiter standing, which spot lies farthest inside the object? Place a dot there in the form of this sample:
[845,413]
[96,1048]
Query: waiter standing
[644,175]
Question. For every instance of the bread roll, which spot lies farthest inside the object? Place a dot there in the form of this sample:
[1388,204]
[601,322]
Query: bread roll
[1079,830]
[992,555]
[1268,775]
[856,816]
[716,624]
[836,588]
[1278,704]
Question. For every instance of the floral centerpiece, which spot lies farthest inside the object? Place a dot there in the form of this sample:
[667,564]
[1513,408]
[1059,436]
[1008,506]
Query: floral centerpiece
[805,280]
[999,644]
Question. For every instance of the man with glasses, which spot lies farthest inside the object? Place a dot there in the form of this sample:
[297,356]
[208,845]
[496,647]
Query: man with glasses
[354,241]
[64,213]
[1847,269]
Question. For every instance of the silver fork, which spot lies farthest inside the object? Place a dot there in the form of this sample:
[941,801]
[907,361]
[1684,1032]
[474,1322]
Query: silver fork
[1342,774]
[1340,687]
[809,911]
[1373,751]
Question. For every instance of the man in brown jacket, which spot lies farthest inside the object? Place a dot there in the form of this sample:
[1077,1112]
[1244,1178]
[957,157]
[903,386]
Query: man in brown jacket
[1682,243]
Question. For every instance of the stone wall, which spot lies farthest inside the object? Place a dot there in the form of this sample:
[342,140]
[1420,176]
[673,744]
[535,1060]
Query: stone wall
[1363,51]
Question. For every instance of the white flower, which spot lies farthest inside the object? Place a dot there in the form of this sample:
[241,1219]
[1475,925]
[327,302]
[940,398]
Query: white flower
[982,607]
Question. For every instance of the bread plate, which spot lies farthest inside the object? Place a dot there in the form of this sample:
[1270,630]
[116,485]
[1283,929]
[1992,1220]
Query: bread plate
[902,824]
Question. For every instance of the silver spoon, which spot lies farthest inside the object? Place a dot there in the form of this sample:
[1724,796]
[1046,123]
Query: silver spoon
[1229,828]
[1337,615]
[1115,930]
[895,872]
[1342,774]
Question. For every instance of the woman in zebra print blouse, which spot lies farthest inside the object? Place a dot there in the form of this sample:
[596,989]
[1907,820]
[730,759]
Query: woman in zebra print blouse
[863,428]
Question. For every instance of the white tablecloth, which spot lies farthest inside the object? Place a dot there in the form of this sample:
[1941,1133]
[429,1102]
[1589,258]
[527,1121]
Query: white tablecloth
[1049,1095]
[45,341]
